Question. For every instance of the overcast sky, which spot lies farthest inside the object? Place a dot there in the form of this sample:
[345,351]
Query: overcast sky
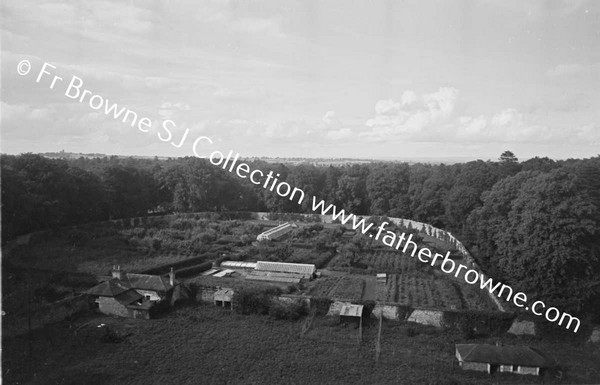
[367,79]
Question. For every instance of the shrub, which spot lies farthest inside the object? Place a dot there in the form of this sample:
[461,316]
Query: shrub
[288,311]
[207,236]
[321,304]
[474,323]
[412,331]
[156,244]
[254,300]
[183,224]
[139,232]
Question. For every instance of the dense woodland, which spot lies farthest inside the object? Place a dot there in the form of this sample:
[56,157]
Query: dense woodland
[533,224]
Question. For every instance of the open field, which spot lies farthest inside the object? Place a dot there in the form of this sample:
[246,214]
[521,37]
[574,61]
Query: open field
[208,345]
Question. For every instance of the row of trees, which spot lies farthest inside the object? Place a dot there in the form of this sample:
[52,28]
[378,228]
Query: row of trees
[534,223]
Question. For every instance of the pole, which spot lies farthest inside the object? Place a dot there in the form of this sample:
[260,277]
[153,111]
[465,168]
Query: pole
[360,330]
[378,346]
[30,343]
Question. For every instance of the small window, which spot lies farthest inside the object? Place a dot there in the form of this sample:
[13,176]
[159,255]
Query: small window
[148,297]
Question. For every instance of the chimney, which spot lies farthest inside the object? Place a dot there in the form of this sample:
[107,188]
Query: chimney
[116,272]
[172,277]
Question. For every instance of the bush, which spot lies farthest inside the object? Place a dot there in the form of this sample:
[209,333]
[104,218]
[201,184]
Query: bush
[254,300]
[287,311]
[139,232]
[207,236]
[412,331]
[475,323]
[321,304]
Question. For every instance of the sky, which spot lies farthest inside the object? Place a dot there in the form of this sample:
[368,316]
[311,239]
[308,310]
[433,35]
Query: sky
[359,79]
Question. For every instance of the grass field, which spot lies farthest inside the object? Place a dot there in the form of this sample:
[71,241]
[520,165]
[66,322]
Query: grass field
[208,345]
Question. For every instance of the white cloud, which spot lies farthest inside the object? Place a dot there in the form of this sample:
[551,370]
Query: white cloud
[167,109]
[329,117]
[408,98]
[412,114]
[435,119]
[387,107]
[507,117]
[573,69]
[344,133]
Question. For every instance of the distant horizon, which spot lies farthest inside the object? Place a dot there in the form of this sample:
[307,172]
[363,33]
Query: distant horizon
[439,159]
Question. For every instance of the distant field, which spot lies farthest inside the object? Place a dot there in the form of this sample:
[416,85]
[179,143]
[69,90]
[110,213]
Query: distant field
[208,345]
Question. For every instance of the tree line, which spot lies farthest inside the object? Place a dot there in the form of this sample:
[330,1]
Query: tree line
[534,224]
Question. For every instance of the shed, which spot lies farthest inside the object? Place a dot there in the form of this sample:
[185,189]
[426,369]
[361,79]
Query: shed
[351,313]
[223,297]
[494,358]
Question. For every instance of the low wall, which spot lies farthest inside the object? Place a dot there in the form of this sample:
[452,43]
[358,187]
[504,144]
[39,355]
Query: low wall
[205,294]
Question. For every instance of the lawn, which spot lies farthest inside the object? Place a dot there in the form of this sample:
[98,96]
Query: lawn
[208,345]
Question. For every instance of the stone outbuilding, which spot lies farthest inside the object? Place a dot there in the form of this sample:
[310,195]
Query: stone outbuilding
[224,298]
[351,313]
[497,358]
[133,295]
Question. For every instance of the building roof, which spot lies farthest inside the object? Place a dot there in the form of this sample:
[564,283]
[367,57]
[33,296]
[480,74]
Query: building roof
[276,232]
[290,279]
[352,310]
[110,288]
[283,267]
[239,264]
[128,297]
[147,282]
[224,273]
[500,355]
[114,287]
